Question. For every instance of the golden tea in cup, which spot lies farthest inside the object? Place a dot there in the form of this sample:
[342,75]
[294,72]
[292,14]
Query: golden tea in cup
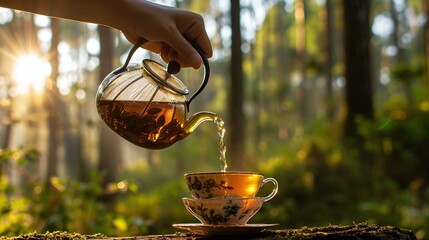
[226,210]
[217,184]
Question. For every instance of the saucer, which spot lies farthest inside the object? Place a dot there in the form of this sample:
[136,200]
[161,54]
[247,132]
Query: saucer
[223,230]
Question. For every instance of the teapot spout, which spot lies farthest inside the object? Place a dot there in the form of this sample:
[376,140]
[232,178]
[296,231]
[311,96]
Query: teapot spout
[193,122]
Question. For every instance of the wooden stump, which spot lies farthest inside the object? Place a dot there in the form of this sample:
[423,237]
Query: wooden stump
[360,231]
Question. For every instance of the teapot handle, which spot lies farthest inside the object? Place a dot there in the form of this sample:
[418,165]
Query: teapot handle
[194,45]
[206,73]
[130,54]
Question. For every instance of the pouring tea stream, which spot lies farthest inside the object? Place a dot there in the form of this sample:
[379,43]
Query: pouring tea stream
[145,103]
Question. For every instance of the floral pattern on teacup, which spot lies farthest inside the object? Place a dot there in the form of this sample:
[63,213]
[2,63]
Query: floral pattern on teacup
[207,188]
[226,212]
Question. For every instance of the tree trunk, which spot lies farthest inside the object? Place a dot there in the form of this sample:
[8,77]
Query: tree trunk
[300,57]
[329,62]
[110,147]
[236,116]
[282,71]
[5,66]
[426,45]
[357,64]
[396,35]
[8,109]
[74,166]
[52,104]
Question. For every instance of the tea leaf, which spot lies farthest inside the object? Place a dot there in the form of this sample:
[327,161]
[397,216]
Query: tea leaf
[153,111]
[161,121]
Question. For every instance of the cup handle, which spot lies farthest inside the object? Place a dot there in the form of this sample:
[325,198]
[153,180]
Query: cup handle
[274,192]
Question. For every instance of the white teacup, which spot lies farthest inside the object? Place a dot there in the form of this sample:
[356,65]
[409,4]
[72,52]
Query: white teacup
[225,210]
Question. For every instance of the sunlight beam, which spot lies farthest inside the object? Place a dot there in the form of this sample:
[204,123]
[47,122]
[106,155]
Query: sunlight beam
[30,73]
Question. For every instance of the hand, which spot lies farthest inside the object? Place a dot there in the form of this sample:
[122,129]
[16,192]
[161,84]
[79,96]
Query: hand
[166,29]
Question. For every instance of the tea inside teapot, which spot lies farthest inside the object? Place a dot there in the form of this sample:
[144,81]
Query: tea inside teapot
[157,127]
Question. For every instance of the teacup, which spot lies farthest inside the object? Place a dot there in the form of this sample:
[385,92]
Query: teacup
[217,184]
[225,210]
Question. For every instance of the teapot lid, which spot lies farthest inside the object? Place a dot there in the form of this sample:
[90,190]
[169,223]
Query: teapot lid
[164,77]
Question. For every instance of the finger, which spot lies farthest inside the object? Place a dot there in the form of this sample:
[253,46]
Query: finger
[204,43]
[155,47]
[165,53]
[185,50]
[168,54]
[173,55]
[130,38]
[198,34]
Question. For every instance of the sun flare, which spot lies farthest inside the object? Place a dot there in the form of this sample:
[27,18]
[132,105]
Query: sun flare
[30,73]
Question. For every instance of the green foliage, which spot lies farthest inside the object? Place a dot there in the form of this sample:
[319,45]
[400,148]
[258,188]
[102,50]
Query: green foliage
[68,205]
[20,156]
[327,182]
[405,72]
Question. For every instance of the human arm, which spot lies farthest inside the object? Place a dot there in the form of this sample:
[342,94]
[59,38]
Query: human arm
[165,28]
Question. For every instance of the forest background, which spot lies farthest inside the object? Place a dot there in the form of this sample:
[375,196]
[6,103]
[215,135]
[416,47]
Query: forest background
[329,97]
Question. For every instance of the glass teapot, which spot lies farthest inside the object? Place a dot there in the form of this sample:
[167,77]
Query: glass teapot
[146,104]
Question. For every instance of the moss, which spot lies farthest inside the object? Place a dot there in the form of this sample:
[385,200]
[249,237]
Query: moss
[57,235]
[339,232]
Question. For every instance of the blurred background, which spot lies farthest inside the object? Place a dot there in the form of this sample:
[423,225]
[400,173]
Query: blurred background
[329,97]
